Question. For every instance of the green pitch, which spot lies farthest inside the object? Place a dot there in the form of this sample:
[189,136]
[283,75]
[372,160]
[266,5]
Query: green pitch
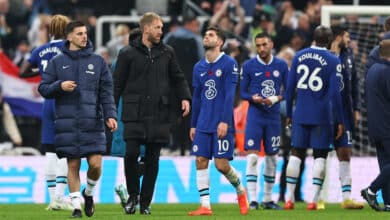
[179,211]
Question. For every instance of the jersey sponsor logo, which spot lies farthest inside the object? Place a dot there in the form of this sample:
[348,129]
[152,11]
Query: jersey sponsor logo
[276,73]
[268,88]
[218,73]
[259,74]
[211,91]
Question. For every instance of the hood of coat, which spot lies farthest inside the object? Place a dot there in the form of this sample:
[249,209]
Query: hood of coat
[74,54]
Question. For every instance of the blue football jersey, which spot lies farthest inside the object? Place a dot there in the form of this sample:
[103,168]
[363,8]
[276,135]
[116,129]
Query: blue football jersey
[41,56]
[214,88]
[313,82]
[265,80]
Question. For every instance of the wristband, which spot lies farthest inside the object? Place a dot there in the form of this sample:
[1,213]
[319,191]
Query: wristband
[274,99]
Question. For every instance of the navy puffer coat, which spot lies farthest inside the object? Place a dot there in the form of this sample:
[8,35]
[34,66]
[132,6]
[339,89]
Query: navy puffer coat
[80,114]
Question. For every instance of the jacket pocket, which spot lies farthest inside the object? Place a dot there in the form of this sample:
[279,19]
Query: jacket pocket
[164,109]
[131,106]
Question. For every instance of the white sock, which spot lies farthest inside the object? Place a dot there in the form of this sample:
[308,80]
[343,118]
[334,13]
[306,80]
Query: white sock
[269,177]
[75,199]
[62,180]
[345,179]
[318,177]
[90,188]
[251,176]
[292,173]
[203,183]
[233,178]
[50,174]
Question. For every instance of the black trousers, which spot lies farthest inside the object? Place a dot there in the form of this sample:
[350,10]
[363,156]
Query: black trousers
[152,156]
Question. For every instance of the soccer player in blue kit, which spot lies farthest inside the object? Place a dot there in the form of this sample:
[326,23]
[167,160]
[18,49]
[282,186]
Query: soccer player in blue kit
[212,126]
[262,83]
[312,81]
[348,86]
[55,169]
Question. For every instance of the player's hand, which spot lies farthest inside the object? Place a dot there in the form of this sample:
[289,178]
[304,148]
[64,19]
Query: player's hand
[192,134]
[340,131]
[267,102]
[257,99]
[222,129]
[112,124]
[68,86]
[357,117]
[185,106]
[288,122]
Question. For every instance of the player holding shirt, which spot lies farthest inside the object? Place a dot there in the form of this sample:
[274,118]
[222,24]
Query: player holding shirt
[212,126]
[312,81]
[55,169]
[263,79]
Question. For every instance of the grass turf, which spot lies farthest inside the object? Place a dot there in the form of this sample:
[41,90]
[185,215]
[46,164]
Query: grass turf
[179,211]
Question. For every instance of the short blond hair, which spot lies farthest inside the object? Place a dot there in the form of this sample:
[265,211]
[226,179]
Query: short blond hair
[148,18]
[57,26]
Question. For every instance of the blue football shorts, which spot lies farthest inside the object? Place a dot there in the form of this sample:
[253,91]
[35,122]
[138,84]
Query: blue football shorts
[208,145]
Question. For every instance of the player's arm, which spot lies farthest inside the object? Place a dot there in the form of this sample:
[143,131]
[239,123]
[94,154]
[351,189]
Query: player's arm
[28,70]
[279,97]
[290,90]
[195,103]
[229,89]
[355,92]
[50,86]
[121,73]
[336,97]
[244,87]
[106,98]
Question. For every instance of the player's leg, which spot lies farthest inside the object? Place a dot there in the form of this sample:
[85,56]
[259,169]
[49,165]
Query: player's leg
[93,175]
[74,185]
[320,140]
[382,180]
[152,155]
[271,145]
[61,184]
[132,179]
[47,139]
[50,174]
[253,135]
[223,152]
[201,148]
[299,142]
[344,151]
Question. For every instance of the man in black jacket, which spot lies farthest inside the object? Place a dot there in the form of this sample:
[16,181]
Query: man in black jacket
[146,72]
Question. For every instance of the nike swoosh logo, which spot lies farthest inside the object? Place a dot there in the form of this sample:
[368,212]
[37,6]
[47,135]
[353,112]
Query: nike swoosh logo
[258,74]
[202,74]
[221,153]
[65,67]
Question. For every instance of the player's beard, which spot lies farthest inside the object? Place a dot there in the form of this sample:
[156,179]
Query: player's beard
[342,45]
[154,40]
